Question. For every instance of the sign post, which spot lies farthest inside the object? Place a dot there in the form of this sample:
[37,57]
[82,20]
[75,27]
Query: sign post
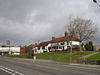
[8,43]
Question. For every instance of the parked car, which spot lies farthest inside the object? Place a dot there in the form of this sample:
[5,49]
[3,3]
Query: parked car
[52,50]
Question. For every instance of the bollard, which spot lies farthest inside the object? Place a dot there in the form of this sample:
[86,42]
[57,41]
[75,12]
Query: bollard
[34,58]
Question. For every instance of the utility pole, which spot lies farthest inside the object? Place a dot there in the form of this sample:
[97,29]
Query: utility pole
[71,51]
[8,43]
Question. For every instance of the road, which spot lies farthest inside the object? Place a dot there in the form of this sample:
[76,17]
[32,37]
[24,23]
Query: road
[3,73]
[16,66]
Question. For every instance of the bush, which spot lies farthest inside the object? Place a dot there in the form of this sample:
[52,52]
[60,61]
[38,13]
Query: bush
[89,46]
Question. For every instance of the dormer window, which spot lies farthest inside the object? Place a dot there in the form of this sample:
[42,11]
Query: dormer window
[62,43]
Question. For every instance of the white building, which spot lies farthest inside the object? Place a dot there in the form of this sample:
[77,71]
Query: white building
[61,43]
[10,50]
[96,47]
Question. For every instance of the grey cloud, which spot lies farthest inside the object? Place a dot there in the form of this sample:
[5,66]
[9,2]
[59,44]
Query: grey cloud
[27,21]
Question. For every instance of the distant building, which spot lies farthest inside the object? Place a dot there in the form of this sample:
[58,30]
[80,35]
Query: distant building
[96,47]
[9,50]
[27,49]
[60,44]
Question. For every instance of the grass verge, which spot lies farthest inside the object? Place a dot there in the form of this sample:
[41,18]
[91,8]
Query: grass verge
[18,56]
[62,56]
[56,56]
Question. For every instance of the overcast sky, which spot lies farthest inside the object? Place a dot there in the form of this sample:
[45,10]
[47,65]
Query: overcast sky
[27,21]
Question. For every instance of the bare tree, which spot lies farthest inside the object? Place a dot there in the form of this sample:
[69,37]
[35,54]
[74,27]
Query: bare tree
[83,29]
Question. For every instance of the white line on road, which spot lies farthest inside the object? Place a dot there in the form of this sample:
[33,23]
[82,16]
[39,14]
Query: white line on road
[10,71]
[7,71]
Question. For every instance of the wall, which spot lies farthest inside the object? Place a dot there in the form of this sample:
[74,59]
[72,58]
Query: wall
[75,43]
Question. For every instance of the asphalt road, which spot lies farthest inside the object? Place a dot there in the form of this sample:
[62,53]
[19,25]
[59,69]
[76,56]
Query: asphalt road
[15,66]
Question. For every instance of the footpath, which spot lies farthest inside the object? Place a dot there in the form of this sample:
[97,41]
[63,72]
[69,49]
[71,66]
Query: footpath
[90,55]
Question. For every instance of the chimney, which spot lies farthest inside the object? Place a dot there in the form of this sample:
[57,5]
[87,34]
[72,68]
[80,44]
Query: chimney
[66,34]
[53,38]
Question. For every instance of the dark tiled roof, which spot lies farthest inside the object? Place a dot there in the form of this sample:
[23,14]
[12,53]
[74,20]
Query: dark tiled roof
[60,39]
[44,43]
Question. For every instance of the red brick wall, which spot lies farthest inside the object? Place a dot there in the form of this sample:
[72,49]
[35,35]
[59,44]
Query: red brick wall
[23,51]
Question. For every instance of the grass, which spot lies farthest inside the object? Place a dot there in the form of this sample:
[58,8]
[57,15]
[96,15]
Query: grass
[61,56]
[94,57]
[56,56]
[18,56]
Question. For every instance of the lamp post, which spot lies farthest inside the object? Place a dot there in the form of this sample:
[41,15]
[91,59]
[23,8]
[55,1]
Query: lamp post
[71,51]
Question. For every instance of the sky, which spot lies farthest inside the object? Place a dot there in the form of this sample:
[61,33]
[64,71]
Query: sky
[31,21]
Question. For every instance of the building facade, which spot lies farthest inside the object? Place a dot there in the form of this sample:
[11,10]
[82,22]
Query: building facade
[10,50]
[58,44]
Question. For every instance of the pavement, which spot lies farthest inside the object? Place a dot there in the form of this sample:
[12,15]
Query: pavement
[45,67]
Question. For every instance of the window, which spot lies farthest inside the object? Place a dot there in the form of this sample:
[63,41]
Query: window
[70,42]
[43,47]
[38,48]
[54,44]
[62,43]
[59,48]
[67,42]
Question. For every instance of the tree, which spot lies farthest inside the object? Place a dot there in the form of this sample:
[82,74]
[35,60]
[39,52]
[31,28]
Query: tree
[83,29]
[28,47]
[89,46]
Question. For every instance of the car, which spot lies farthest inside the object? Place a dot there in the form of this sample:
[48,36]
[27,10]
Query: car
[52,50]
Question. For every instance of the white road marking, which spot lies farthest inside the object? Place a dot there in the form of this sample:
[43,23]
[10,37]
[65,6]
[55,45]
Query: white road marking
[10,71]
[6,71]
